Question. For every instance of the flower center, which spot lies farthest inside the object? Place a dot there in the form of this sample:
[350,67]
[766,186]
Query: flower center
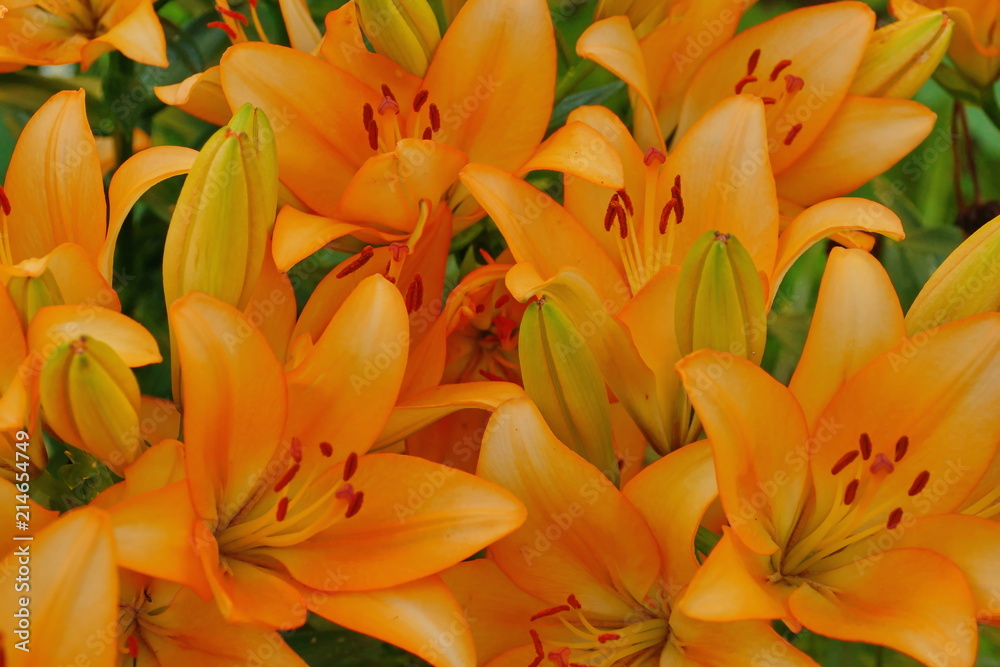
[601,643]
[864,508]
[777,90]
[645,240]
[383,138]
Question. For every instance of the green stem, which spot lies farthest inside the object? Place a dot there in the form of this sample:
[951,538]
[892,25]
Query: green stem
[990,106]
[573,77]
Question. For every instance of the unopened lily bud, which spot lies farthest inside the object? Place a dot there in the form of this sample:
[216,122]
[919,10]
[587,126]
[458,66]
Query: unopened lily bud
[562,378]
[217,235]
[901,56]
[720,299]
[90,399]
[405,31]
[967,283]
[32,293]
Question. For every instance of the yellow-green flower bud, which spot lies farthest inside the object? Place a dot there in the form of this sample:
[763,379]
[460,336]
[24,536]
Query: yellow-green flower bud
[218,232]
[720,299]
[562,377]
[901,56]
[405,31]
[32,293]
[90,399]
[644,15]
[966,283]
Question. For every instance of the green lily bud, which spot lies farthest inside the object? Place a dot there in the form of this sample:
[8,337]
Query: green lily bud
[562,378]
[405,31]
[90,399]
[32,293]
[720,299]
[901,56]
[218,232]
[966,283]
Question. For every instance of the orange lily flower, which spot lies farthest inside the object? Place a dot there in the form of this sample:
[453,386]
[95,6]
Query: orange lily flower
[611,257]
[841,490]
[293,512]
[54,195]
[975,46]
[594,574]
[823,141]
[42,32]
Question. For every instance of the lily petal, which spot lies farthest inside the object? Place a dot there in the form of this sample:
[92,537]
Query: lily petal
[137,175]
[234,400]
[683,480]
[346,387]
[50,202]
[577,149]
[892,602]
[730,394]
[866,137]
[429,518]
[857,318]
[846,214]
[491,50]
[139,37]
[55,325]
[200,95]
[421,617]
[565,493]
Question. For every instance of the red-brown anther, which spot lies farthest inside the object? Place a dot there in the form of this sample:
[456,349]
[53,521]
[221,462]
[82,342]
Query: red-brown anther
[326,449]
[866,446]
[355,505]
[501,300]
[881,464]
[223,27]
[608,637]
[622,222]
[295,449]
[777,69]
[752,62]
[4,202]
[427,134]
[537,642]
[794,84]
[346,492]
[551,611]
[844,461]
[415,294]
[573,602]
[419,100]
[609,215]
[253,4]
[373,135]
[894,518]
[654,155]
[490,376]
[768,100]
[792,133]
[350,465]
[387,92]
[850,492]
[282,509]
[627,201]
[537,661]
[435,115]
[901,446]
[288,477]
[745,81]
[480,307]
[665,215]
[366,254]
[236,16]
[133,646]
[367,115]
[919,483]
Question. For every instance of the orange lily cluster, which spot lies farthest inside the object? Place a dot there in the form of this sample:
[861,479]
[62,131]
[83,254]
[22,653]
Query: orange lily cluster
[524,416]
